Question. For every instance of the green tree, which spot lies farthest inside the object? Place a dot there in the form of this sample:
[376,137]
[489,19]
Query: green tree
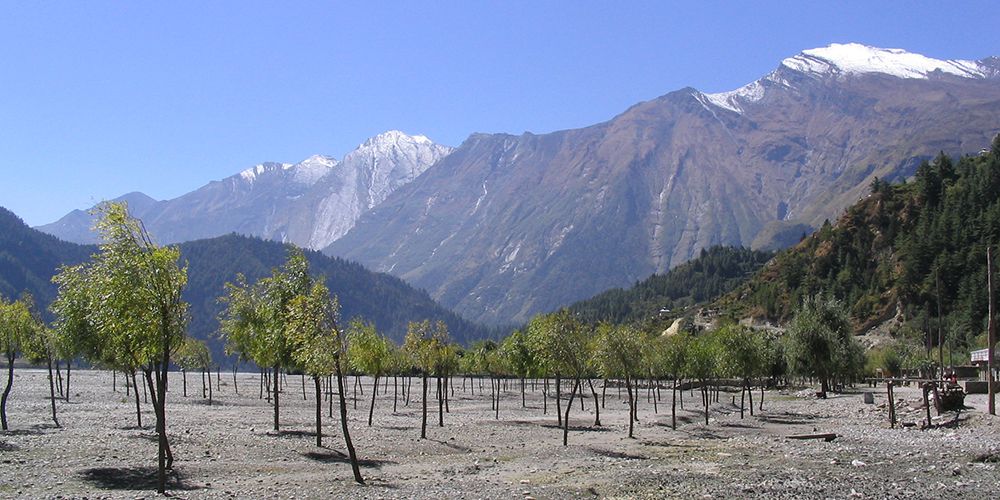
[561,341]
[675,354]
[41,346]
[820,343]
[618,354]
[423,343]
[741,352]
[140,318]
[702,364]
[368,353]
[517,356]
[16,326]
[255,317]
[319,347]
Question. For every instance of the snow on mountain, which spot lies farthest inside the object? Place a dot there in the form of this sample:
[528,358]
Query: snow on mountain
[836,60]
[310,203]
[855,58]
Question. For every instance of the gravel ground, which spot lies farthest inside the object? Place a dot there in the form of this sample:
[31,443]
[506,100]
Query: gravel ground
[228,450]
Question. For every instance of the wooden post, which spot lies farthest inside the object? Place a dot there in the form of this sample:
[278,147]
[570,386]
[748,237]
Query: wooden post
[892,404]
[927,404]
[991,338]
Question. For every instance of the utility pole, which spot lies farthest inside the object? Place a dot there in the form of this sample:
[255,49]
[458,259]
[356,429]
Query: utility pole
[991,337]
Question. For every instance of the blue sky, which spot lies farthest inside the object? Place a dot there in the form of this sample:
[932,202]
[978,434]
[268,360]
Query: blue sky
[101,98]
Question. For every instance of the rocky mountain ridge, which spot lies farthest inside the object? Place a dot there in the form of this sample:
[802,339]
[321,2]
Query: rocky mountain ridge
[508,226]
[310,203]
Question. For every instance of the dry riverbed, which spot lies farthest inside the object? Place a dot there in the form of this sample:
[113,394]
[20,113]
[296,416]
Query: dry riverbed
[228,450]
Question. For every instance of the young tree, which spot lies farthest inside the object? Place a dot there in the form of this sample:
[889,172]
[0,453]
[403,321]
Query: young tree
[740,350]
[675,354]
[820,343]
[318,348]
[16,326]
[561,340]
[40,346]
[517,356]
[422,345]
[618,354]
[140,315]
[701,364]
[368,353]
[255,317]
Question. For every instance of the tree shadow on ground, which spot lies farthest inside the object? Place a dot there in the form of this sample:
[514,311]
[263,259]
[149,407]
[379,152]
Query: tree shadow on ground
[398,427]
[740,425]
[453,446]
[616,454]
[336,457]
[35,430]
[5,446]
[788,418]
[580,428]
[132,478]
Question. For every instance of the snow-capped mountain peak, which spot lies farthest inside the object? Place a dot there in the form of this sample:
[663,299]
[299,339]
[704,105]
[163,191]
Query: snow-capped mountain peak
[251,174]
[855,58]
[844,59]
[394,137]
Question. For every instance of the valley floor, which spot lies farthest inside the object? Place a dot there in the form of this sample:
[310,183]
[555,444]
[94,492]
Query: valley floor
[227,450]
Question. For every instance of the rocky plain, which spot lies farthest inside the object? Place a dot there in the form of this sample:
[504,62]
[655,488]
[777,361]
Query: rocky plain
[227,449]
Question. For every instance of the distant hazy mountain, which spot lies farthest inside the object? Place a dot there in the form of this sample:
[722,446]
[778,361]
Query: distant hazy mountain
[310,203]
[508,226]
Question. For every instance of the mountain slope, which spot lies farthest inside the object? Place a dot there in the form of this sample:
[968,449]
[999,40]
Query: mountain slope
[714,272]
[29,259]
[508,226]
[310,203]
[905,251]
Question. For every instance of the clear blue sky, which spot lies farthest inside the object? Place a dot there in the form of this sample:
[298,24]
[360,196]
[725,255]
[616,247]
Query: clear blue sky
[101,98]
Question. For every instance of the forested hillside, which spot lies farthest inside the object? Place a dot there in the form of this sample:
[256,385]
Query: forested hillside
[714,272]
[916,248]
[29,259]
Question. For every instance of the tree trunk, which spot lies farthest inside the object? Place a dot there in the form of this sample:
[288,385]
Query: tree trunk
[569,406]
[319,413]
[395,392]
[69,362]
[6,390]
[706,396]
[304,398]
[440,402]
[138,410]
[184,382]
[673,407]
[545,396]
[631,406]
[750,396]
[824,387]
[423,419]
[743,396]
[761,404]
[558,402]
[597,407]
[52,392]
[371,410]
[210,387]
[343,423]
[59,379]
[523,405]
[497,414]
[604,393]
[276,372]
[236,367]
